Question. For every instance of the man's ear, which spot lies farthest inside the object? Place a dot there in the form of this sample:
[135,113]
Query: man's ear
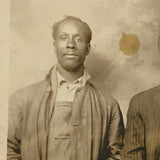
[88,48]
[54,46]
[54,43]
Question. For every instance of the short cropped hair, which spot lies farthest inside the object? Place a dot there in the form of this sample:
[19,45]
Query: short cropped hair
[71,18]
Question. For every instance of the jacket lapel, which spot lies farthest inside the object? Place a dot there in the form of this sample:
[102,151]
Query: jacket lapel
[85,127]
[45,111]
[78,130]
[77,108]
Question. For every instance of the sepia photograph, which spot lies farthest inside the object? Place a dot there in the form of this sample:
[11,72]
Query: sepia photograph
[4,74]
[84,80]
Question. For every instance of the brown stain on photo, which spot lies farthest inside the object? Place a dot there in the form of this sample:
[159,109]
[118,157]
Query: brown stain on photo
[129,44]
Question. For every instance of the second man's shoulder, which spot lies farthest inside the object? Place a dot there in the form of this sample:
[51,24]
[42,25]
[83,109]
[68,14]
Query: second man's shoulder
[145,95]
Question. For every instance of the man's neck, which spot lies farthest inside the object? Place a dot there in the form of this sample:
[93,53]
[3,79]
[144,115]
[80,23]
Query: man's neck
[70,76]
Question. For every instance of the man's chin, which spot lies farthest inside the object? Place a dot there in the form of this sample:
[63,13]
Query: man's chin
[71,68]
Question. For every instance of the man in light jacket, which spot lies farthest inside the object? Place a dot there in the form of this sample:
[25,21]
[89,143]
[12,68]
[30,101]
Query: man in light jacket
[65,116]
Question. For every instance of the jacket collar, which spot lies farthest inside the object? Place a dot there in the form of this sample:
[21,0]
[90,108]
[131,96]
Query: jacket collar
[52,79]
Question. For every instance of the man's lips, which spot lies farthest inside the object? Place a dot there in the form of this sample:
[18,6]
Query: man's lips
[70,55]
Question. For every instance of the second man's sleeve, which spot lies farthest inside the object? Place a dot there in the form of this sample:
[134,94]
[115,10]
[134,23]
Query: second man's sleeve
[134,136]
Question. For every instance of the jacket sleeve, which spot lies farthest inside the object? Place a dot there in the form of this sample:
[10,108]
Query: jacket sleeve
[14,127]
[134,136]
[116,133]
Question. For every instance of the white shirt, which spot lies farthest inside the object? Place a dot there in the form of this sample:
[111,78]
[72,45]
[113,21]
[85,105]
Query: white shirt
[66,90]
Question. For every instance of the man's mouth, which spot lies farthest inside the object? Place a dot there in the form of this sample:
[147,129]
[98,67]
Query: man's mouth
[70,55]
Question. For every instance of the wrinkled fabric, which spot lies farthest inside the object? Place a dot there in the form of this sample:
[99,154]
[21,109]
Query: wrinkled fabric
[30,111]
[142,137]
[59,132]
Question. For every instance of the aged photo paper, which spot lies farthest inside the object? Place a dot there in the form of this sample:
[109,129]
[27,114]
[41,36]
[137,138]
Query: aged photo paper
[4,72]
[124,57]
[121,70]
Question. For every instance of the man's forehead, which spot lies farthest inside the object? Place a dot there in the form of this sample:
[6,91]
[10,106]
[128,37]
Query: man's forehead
[71,26]
[71,21]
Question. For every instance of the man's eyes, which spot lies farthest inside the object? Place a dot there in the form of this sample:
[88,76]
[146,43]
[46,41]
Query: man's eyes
[63,37]
[76,39]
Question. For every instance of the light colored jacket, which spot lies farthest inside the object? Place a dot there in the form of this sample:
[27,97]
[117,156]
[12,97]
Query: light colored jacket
[31,108]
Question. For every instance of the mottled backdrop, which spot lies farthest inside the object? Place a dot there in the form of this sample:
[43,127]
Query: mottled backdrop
[4,75]
[124,58]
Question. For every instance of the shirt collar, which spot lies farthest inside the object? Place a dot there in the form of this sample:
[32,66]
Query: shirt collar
[54,78]
[81,80]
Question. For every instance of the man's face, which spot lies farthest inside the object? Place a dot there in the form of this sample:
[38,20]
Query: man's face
[71,45]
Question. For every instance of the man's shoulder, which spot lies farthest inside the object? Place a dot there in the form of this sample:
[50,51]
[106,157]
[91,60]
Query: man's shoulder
[146,94]
[108,104]
[104,94]
[29,90]
[140,101]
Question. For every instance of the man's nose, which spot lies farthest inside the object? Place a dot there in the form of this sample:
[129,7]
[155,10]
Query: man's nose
[71,44]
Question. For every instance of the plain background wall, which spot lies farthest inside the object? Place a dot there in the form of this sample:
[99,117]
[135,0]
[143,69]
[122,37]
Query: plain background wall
[4,74]
[32,52]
